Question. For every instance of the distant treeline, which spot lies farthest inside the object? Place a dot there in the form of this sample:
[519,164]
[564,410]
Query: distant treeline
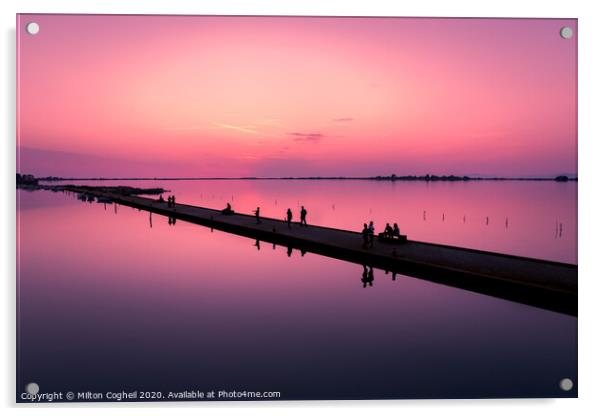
[560,178]
[26,180]
[393,177]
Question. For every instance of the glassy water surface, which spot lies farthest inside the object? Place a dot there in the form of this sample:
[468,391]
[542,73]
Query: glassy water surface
[112,298]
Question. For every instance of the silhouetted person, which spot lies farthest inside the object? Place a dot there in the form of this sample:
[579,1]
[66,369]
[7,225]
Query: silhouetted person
[365,235]
[257,215]
[396,232]
[371,233]
[173,201]
[388,230]
[161,198]
[289,217]
[303,216]
[228,210]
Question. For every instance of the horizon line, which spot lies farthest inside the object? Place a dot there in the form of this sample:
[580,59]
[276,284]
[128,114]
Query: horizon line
[377,177]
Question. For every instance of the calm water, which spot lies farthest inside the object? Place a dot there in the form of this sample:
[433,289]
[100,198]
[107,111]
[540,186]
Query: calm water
[113,299]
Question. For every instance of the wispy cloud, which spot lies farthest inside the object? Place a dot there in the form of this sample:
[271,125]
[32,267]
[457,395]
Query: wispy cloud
[255,128]
[307,137]
[342,119]
[237,128]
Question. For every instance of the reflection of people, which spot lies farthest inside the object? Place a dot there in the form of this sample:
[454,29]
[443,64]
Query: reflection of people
[393,275]
[289,217]
[289,251]
[303,216]
[367,276]
[257,245]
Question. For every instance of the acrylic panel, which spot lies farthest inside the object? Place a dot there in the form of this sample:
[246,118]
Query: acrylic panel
[295,208]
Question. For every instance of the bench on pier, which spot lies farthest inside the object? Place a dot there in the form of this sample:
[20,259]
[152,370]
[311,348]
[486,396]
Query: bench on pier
[392,239]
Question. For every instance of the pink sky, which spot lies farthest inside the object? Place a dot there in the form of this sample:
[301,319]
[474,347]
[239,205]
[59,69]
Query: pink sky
[266,96]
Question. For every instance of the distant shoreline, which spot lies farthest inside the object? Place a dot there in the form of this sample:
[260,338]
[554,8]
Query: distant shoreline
[425,178]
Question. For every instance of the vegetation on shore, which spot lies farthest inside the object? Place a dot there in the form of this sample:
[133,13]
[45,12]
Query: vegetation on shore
[31,183]
[31,180]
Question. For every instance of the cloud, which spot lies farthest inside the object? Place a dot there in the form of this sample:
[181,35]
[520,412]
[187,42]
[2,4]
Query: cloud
[237,128]
[342,119]
[307,137]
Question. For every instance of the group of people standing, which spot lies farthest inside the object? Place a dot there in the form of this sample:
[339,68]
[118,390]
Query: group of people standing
[302,216]
[289,216]
[368,234]
[171,201]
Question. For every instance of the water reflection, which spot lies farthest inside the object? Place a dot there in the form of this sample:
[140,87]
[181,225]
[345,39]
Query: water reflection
[393,275]
[368,276]
[158,289]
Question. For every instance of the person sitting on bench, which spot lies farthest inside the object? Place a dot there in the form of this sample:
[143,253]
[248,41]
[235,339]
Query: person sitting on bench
[392,235]
[388,231]
[228,210]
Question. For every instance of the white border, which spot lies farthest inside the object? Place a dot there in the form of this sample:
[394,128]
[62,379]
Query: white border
[590,134]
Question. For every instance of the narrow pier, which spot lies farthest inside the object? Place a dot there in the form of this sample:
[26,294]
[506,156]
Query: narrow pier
[544,284]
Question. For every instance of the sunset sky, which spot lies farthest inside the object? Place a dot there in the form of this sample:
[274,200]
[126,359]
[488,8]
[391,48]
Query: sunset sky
[185,96]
